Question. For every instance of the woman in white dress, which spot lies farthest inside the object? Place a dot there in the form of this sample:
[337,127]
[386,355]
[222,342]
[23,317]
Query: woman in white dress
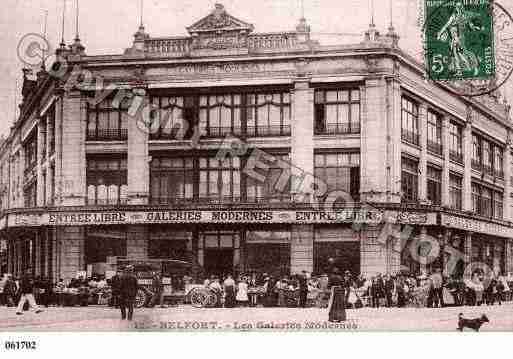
[242,293]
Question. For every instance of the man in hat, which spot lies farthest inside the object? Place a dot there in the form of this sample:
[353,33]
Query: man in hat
[303,289]
[27,294]
[127,292]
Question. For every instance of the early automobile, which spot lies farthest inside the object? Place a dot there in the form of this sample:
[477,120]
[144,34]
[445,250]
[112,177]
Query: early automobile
[175,276]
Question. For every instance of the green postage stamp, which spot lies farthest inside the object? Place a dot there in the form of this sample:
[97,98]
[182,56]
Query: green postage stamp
[459,39]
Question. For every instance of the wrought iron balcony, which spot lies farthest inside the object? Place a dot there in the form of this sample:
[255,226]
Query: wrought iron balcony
[410,137]
[338,129]
[118,134]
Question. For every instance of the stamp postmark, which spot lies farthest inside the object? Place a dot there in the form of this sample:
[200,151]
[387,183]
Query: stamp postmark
[468,43]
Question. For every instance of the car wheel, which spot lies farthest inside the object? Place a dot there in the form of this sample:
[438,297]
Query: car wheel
[140,298]
[199,298]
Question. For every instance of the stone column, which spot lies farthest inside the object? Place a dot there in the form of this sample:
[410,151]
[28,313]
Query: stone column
[395,142]
[137,242]
[37,253]
[508,260]
[423,152]
[70,251]
[467,159]
[20,195]
[445,259]
[73,170]
[374,141]
[372,252]
[301,248]
[446,200]
[10,256]
[468,249]
[507,179]
[138,165]
[423,235]
[40,197]
[302,149]
[50,175]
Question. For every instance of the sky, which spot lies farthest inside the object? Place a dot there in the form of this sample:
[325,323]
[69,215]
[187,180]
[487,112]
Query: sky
[107,27]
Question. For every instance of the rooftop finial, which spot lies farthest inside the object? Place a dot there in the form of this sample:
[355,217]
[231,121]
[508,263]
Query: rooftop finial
[372,12]
[77,13]
[45,25]
[63,43]
[77,47]
[302,26]
[141,23]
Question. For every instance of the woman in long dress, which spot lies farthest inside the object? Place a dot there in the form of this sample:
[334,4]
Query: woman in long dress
[229,292]
[242,293]
[337,305]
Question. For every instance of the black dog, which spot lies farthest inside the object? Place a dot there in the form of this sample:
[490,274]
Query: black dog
[471,323]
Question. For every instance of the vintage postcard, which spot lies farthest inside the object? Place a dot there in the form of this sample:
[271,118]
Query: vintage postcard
[240,166]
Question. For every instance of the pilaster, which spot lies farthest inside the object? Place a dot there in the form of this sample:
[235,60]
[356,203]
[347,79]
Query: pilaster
[508,252]
[467,250]
[507,212]
[71,251]
[137,242]
[73,150]
[423,152]
[40,199]
[374,141]
[395,141]
[302,151]
[446,200]
[138,156]
[467,159]
[301,248]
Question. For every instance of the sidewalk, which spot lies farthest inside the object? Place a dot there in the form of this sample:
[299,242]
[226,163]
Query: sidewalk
[99,318]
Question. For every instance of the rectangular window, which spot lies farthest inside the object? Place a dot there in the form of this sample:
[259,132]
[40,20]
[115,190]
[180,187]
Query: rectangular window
[30,195]
[175,118]
[30,150]
[220,115]
[276,186]
[254,114]
[498,163]
[340,172]
[477,153]
[456,142]
[498,204]
[52,186]
[409,121]
[219,179]
[268,114]
[476,198]
[108,121]
[487,157]
[409,179]
[456,190]
[337,111]
[51,130]
[434,133]
[486,202]
[434,185]
[106,180]
[171,180]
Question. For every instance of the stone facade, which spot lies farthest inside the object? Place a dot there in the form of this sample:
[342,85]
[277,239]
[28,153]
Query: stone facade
[222,52]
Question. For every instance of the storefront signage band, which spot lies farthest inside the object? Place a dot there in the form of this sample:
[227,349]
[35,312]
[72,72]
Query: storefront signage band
[473,225]
[242,216]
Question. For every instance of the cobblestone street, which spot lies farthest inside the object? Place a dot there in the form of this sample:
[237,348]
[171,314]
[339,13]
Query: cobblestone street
[286,319]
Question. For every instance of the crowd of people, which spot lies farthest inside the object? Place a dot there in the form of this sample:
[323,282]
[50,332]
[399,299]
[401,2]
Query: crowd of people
[78,291]
[261,289]
[400,290]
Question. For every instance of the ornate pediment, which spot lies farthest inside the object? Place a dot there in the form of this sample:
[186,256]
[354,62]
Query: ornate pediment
[219,21]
